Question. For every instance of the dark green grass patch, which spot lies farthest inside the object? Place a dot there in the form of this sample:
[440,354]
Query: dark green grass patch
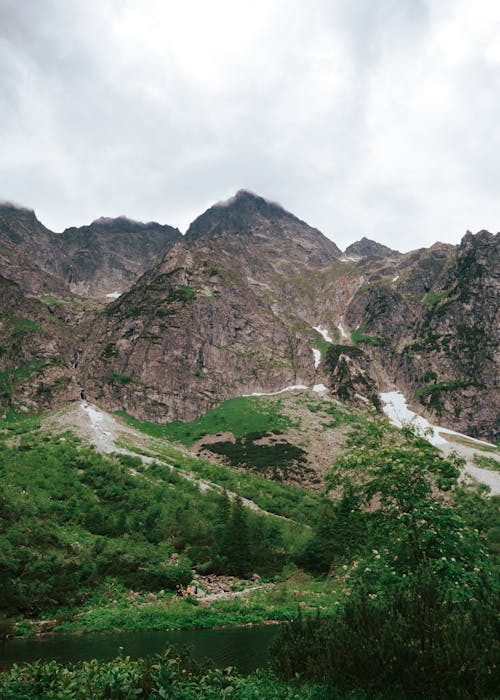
[276,458]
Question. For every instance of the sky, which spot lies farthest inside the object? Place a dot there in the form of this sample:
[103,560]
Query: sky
[374,118]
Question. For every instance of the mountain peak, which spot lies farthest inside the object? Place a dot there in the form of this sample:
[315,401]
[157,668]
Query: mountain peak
[366,248]
[121,223]
[246,197]
[5,204]
[249,217]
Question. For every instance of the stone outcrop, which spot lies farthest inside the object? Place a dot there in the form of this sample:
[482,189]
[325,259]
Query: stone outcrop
[435,332]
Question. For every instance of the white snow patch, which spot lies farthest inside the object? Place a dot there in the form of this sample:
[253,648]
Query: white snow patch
[324,333]
[395,279]
[317,357]
[294,387]
[96,417]
[320,389]
[113,295]
[399,414]
[348,258]
[342,331]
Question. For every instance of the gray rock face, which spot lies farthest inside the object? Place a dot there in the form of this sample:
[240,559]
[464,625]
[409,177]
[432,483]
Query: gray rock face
[107,256]
[27,250]
[35,353]
[453,358]
[249,216]
[440,332]
[366,248]
[210,322]
[111,254]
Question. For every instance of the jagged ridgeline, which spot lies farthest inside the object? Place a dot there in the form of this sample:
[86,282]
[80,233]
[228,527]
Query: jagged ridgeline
[234,307]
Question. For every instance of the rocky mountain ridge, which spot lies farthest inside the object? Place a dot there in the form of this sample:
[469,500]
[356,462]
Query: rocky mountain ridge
[105,257]
[246,301]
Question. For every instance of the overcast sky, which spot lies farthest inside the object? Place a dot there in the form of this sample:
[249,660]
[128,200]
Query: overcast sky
[375,118]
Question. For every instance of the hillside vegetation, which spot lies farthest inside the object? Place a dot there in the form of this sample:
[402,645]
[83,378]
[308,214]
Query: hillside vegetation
[397,563]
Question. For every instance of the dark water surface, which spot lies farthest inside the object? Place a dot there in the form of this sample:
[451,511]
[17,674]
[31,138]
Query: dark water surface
[246,648]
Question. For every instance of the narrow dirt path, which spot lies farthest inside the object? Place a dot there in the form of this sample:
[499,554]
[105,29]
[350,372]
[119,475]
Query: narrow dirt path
[229,595]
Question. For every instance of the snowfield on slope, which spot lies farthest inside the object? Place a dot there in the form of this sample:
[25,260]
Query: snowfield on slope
[396,409]
[323,331]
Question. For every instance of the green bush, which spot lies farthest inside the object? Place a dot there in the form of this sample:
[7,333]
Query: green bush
[420,615]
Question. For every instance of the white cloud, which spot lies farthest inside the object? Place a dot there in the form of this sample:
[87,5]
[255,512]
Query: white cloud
[362,118]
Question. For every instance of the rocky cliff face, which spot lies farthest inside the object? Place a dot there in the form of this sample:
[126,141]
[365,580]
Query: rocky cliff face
[434,332]
[35,353]
[111,254]
[241,304]
[26,251]
[211,321]
[107,256]
[451,362]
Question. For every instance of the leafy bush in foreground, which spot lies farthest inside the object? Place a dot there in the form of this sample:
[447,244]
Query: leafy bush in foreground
[164,676]
[420,615]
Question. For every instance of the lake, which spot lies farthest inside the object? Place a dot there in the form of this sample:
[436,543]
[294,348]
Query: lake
[246,648]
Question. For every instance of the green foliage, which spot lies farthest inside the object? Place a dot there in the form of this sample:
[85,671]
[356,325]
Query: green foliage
[290,501]
[24,326]
[56,302]
[442,386]
[339,534]
[419,615]
[182,294]
[481,512]
[166,675]
[69,517]
[112,607]
[487,462]
[110,350]
[430,395]
[411,645]
[239,416]
[357,337]
[122,379]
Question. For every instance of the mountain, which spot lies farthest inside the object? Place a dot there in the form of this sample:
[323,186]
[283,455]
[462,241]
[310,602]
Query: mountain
[366,248]
[229,310]
[27,251]
[110,254]
[434,332]
[246,215]
[252,299]
[105,257]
